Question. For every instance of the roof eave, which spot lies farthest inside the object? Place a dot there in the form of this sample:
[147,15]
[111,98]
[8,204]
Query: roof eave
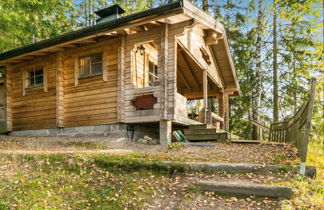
[85,32]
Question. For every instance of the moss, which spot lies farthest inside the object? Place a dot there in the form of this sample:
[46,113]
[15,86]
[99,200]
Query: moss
[175,145]
[87,145]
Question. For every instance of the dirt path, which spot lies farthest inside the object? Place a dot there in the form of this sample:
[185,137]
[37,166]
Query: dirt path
[235,153]
[177,191]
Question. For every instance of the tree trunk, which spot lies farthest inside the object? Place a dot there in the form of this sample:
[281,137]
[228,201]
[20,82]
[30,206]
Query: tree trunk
[205,5]
[258,84]
[275,66]
[295,85]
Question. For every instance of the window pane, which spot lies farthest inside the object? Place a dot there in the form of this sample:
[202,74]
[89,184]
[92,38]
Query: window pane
[31,81]
[96,58]
[39,79]
[38,72]
[85,66]
[96,68]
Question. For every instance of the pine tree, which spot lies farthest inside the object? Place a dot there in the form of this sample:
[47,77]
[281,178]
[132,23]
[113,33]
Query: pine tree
[275,65]
[258,84]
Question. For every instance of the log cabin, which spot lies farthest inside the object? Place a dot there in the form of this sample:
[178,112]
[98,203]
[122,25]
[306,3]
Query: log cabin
[126,75]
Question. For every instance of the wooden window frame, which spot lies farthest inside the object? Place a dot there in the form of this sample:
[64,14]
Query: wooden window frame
[150,74]
[26,79]
[90,66]
[77,67]
[34,78]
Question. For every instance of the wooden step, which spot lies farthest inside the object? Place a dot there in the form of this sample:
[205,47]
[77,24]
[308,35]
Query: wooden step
[201,126]
[207,137]
[200,131]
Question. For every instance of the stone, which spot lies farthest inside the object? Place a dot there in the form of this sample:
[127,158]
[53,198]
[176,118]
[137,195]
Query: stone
[150,141]
[142,141]
[148,138]
[246,189]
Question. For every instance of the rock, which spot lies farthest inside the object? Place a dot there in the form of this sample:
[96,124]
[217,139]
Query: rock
[150,141]
[148,138]
[311,172]
[153,142]
[142,141]
[246,189]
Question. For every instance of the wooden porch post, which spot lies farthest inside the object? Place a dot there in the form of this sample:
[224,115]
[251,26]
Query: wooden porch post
[205,100]
[223,109]
[165,132]
[165,79]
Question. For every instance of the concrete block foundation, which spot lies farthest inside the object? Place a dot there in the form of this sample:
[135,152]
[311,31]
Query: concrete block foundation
[118,130]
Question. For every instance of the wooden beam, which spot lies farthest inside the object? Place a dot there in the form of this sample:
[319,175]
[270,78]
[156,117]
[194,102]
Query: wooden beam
[183,79]
[39,53]
[157,23]
[192,57]
[27,58]
[88,41]
[260,125]
[55,49]
[205,88]
[212,37]
[123,32]
[190,70]
[139,28]
[59,90]
[199,95]
[71,45]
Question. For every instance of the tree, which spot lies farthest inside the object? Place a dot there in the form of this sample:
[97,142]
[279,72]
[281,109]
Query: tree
[258,84]
[24,22]
[275,65]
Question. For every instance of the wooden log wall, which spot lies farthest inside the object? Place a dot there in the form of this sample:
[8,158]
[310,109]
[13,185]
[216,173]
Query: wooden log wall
[62,101]
[66,100]
[131,43]
[36,108]
[93,101]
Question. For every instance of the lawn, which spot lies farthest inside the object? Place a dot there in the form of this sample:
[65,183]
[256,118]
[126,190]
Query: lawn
[59,181]
[81,180]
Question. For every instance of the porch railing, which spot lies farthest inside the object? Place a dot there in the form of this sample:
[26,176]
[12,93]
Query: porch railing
[211,118]
[297,128]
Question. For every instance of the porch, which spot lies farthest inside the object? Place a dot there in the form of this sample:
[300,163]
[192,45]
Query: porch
[196,84]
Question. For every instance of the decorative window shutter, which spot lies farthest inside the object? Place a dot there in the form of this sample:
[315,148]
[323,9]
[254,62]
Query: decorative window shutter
[45,79]
[105,66]
[24,81]
[76,71]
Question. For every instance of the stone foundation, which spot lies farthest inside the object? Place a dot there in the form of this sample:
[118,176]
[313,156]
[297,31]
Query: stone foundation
[118,130]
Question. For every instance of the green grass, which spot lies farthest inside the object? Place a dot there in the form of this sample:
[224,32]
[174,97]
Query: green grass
[77,182]
[175,145]
[309,193]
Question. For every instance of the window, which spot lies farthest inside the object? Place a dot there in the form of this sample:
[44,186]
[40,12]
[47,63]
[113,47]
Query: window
[144,65]
[36,77]
[90,65]
[153,73]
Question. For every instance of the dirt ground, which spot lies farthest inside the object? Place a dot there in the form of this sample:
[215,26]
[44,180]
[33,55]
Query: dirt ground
[177,192]
[235,153]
